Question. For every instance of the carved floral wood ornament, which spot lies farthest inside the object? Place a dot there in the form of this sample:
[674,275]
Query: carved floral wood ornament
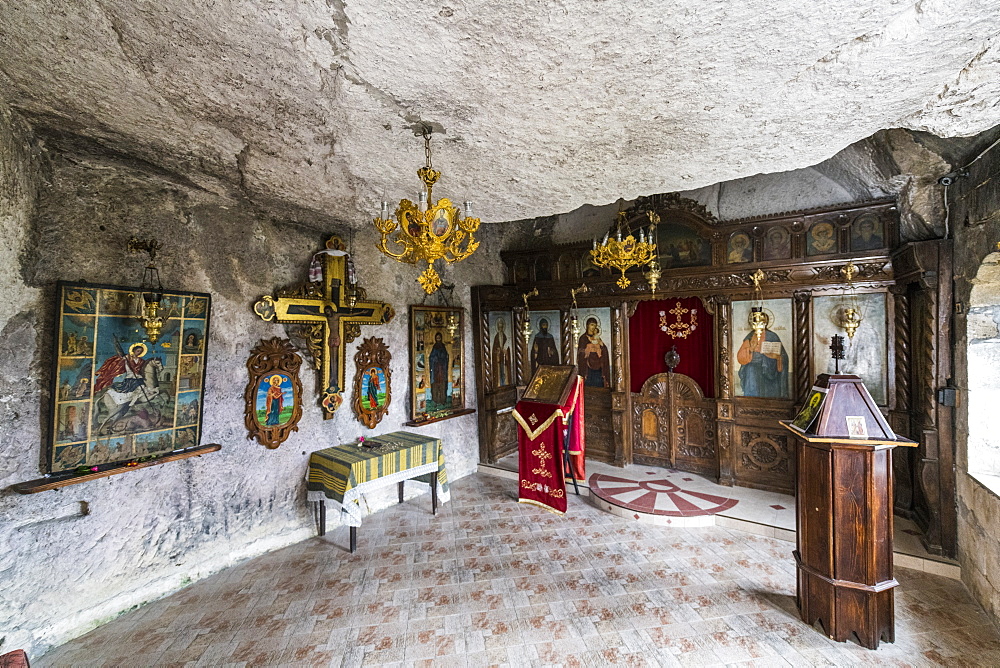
[372,379]
[274,393]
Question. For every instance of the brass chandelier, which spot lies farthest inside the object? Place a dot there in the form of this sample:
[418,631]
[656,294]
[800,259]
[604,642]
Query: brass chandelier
[428,230]
[151,290]
[623,251]
[850,313]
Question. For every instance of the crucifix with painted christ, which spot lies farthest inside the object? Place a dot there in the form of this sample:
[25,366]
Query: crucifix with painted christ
[327,311]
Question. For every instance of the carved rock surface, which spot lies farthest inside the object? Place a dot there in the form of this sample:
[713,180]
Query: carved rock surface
[544,107]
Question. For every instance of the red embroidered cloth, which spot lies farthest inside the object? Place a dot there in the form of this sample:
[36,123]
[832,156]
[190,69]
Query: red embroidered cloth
[540,447]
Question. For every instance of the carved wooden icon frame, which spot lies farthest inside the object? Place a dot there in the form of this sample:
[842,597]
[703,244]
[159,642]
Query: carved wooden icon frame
[372,381]
[270,416]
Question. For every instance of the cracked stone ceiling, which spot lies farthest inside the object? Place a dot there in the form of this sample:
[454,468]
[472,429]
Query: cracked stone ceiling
[545,105]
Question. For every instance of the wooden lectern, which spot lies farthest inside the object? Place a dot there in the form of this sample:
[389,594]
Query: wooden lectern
[843,508]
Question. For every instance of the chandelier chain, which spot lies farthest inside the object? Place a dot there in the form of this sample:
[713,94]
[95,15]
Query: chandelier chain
[427,147]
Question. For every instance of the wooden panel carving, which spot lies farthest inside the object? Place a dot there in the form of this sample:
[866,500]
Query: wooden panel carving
[903,351]
[505,436]
[765,459]
[274,394]
[695,438]
[598,427]
[623,427]
[651,443]
[724,315]
[867,271]
[486,370]
[803,379]
[372,382]
[673,425]
[927,303]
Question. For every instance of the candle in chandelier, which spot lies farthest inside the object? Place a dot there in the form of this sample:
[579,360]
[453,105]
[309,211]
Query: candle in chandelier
[385,210]
[422,200]
[605,242]
[468,209]
[595,243]
[618,236]
[642,236]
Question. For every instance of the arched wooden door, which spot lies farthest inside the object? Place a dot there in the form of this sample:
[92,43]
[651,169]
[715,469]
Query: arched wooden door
[673,425]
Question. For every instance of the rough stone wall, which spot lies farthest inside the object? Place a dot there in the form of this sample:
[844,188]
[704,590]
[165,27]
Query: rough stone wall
[73,558]
[547,106]
[973,199]
[889,163]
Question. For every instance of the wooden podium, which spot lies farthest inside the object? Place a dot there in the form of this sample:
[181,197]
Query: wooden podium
[843,508]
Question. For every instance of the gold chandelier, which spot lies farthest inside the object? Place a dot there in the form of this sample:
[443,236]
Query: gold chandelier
[623,251]
[428,231]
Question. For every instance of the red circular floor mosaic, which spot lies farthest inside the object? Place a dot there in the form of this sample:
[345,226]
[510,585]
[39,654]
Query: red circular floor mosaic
[657,497]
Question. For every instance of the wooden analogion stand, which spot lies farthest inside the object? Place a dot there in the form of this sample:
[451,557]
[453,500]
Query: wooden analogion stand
[843,505]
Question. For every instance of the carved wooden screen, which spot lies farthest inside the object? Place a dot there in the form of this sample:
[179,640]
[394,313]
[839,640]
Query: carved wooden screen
[673,425]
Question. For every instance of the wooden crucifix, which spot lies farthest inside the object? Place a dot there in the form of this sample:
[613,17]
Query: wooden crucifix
[328,311]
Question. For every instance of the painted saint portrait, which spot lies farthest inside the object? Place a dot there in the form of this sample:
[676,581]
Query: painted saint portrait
[77,336]
[821,238]
[191,342]
[112,385]
[521,271]
[777,243]
[545,341]
[866,355]
[593,354]
[373,388]
[437,371]
[188,408]
[567,267]
[131,392]
[438,365]
[275,400]
[681,246]
[501,351]
[762,358]
[740,249]
[543,269]
[72,422]
[866,233]
[590,270]
[440,224]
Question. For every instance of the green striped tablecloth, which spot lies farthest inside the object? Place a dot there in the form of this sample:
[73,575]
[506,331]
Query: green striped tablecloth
[343,473]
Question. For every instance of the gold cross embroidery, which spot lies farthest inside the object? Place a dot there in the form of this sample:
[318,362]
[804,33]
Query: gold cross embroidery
[679,329]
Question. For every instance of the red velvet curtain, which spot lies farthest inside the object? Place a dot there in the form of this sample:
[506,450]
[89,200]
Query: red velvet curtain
[648,343]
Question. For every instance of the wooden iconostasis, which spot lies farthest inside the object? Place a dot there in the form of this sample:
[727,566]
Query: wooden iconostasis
[718,413]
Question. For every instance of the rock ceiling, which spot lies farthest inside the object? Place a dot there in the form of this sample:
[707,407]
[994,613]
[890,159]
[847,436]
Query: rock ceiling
[544,106]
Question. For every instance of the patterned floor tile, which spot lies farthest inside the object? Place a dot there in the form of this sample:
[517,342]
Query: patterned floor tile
[489,582]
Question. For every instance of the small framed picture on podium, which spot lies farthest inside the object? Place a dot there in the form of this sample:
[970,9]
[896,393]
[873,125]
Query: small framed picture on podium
[856,427]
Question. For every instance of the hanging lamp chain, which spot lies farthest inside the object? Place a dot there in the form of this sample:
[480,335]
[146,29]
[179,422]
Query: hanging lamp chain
[427,147]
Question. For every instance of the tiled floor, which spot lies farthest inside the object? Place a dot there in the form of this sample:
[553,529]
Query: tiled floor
[765,513]
[490,581]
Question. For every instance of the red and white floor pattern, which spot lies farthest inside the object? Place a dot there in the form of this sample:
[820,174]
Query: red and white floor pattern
[660,496]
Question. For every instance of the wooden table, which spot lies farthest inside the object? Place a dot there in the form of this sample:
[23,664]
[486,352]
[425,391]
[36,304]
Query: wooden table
[343,473]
